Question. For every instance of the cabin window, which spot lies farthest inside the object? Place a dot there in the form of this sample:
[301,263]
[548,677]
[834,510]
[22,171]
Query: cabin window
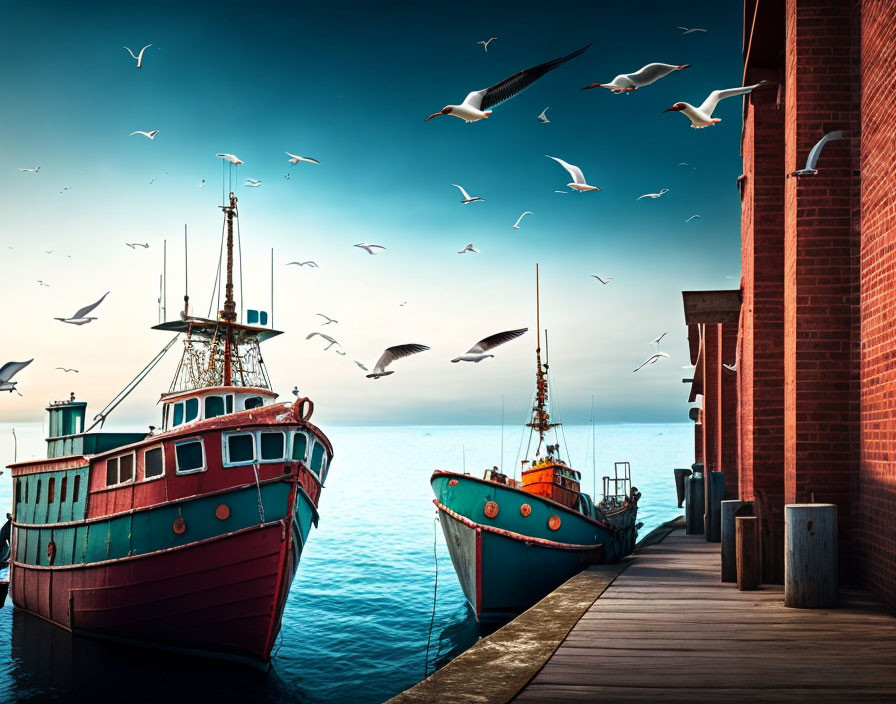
[77,489]
[189,456]
[178,415]
[229,400]
[51,490]
[317,456]
[253,402]
[240,448]
[153,463]
[112,471]
[214,406]
[299,447]
[272,446]
[37,498]
[323,469]
[119,469]
[62,489]
[191,410]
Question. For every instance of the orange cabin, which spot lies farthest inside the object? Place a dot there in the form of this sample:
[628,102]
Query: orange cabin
[553,480]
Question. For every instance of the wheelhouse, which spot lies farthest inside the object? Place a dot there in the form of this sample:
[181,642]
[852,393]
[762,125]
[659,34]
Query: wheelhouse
[184,408]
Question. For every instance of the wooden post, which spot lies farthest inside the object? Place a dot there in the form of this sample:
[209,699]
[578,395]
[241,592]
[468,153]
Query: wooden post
[680,476]
[749,559]
[731,509]
[811,579]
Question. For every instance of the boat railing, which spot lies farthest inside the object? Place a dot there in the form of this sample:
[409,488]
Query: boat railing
[618,487]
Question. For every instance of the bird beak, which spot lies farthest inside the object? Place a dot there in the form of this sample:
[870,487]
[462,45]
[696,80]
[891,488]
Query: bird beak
[593,85]
[684,66]
[443,111]
[672,109]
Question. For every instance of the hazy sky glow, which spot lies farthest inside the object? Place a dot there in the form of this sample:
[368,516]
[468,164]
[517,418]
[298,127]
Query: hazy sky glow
[350,84]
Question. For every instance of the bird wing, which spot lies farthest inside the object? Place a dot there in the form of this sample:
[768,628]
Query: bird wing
[812,161]
[710,103]
[362,366]
[518,82]
[574,171]
[309,159]
[644,363]
[646,75]
[10,369]
[142,50]
[130,52]
[326,337]
[86,309]
[293,156]
[326,317]
[397,352]
[493,341]
[461,189]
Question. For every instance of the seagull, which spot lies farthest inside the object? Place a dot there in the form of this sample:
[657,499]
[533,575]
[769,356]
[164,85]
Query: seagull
[654,195]
[232,158]
[467,197]
[295,159]
[731,367]
[578,178]
[683,163]
[812,162]
[544,118]
[692,217]
[43,284]
[561,191]
[403,304]
[49,251]
[33,171]
[134,245]
[202,183]
[138,57]
[369,247]
[390,355]
[644,76]
[702,116]
[327,318]
[486,43]
[68,370]
[688,30]
[287,176]
[8,371]
[80,318]
[517,225]
[310,263]
[326,337]
[477,352]
[362,366]
[252,183]
[603,281]
[469,248]
[476,105]
[656,340]
[653,359]
[149,135]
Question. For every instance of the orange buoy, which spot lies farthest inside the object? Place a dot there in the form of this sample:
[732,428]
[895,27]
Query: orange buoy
[525,509]
[179,526]
[452,482]
[554,522]
[222,513]
[491,509]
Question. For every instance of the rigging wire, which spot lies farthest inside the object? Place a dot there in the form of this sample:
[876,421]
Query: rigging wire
[435,592]
[217,284]
[519,451]
[556,404]
[240,247]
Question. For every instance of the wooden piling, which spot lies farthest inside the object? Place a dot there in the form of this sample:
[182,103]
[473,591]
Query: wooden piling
[811,579]
[749,557]
[731,509]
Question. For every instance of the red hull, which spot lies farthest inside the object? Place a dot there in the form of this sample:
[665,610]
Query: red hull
[224,596]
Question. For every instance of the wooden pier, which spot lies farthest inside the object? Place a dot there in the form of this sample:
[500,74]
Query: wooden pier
[667,629]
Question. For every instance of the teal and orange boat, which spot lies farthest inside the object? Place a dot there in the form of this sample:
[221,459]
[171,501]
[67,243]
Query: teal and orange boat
[512,542]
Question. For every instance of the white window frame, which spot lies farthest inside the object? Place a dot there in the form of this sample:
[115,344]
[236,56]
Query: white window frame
[309,441]
[204,467]
[200,408]
[158,476]
[133,455]
[225,448]
[321,473]
[246,397]
[286,448]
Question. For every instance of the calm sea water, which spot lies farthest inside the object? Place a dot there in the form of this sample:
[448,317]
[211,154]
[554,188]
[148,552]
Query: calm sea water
[357,623]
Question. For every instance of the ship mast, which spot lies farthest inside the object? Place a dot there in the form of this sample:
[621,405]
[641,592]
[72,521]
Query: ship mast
[540,418]
[228,314]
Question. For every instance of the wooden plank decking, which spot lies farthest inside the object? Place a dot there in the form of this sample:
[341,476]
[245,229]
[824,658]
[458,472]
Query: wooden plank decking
[668,630]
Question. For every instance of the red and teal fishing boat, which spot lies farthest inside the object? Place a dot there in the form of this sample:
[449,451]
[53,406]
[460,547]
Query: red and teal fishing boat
[512,542]
[188,537]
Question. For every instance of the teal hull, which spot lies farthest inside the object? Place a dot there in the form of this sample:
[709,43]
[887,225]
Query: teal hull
[507,562]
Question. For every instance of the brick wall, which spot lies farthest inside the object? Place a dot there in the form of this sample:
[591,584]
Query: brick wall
[728,419]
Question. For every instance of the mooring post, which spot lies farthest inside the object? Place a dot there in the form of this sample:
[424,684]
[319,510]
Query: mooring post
[749,558]
[731,509]
[811,579]
[713,527]
[680,476]
[694,504]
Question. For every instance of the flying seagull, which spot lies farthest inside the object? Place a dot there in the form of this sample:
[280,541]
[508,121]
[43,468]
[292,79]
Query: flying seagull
[309,263]
[202,183]
[390,355]
[652,359]
[80,318]
[644,76]
[467,197]
[561,191]
[67,370]
[138,57]
[134,245]
[517,224]
[690,30]
[544,118]
[362,366]
[812,162]
[478,351]
[327,318]
[43,284]
[692,217]
[33,171]
[578,178]
[476,105]
[369,247]
[252,182]
[603,281]
[702,116]
[326,337]
[232,158]
[148,135]
[654,195]
[295,159]
[656,341]
[486,43]
[8,371]
[469,248]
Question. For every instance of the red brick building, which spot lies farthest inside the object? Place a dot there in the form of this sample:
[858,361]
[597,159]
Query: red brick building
[815,391]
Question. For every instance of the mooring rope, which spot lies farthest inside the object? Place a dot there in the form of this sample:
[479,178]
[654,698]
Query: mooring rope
[258,487]
[435,592]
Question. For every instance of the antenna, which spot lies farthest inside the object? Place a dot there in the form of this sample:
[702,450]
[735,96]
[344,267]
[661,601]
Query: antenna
[186,276]
[159,301]
[15,446]
[547,354]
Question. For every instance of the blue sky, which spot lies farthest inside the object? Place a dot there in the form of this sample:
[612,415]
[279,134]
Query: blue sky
[350,84]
